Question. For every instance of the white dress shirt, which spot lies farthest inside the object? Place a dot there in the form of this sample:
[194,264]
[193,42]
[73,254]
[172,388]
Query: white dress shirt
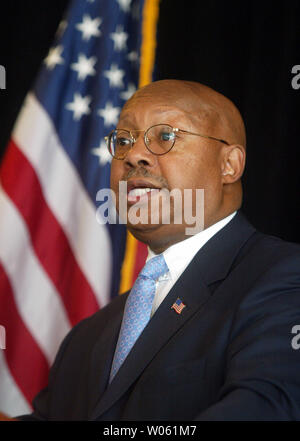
[179,255]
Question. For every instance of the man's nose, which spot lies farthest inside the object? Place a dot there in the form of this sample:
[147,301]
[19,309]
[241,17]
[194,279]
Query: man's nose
[139,155]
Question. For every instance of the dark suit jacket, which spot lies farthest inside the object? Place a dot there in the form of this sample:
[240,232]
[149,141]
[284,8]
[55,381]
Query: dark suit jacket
[227,356]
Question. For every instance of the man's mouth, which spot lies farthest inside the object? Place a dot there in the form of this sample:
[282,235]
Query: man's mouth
[141,190]
[140,194]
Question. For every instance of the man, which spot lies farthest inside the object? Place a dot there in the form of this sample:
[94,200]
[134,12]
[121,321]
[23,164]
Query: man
[217,341]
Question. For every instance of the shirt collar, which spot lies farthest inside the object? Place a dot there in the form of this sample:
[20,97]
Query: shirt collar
[179,255]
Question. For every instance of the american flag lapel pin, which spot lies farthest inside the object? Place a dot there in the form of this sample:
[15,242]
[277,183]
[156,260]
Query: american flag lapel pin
[178,306]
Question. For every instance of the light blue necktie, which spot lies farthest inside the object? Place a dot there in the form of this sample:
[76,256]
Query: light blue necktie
[137,309]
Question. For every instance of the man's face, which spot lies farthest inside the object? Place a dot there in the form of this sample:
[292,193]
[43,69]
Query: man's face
[193,163]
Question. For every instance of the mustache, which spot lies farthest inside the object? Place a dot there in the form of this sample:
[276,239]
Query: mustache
[142,172]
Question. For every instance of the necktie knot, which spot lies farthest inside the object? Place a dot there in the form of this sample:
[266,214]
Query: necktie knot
[154,268]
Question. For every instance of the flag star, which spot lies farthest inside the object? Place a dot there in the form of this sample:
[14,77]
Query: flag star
[133,56]
[84,66]
[80,106]
[110,114]
[119,38]
[54,57]
[115,76]
[89,27]
[103,153]
[124,5]
[126,94]
[90,1]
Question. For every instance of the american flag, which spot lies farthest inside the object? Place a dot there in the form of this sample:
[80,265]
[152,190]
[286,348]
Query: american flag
[178,306]
[56,260]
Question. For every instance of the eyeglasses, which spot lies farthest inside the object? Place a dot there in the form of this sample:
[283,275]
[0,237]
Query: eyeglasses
[159,140]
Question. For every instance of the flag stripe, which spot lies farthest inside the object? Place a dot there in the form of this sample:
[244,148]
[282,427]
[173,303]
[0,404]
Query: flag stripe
[9,391]
[48,239]
[65,196]
[38,303]
[20,359]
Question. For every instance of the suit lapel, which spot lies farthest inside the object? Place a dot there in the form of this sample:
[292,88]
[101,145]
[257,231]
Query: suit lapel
[212,263]
[215,259]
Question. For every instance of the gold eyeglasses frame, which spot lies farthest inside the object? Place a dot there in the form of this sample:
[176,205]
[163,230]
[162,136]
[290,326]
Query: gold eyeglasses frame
[174,129]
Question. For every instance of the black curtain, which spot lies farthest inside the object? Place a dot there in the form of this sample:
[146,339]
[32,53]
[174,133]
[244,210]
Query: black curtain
[245,50]
[27,29]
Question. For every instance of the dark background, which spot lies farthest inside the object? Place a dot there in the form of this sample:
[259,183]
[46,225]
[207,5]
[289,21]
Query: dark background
[243,49]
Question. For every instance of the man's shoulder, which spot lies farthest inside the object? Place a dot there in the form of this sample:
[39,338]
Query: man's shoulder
[274,248]
[268,264]
[264,247]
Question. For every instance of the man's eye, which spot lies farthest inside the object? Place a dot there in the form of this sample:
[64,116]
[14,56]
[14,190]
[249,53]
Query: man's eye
[167,136]
[123,142]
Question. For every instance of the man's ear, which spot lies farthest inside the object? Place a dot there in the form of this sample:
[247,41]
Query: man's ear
[233,163]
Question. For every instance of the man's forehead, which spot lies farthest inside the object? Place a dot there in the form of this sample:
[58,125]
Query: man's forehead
[167,102]
[165,93]
[204,107]
[133,111]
